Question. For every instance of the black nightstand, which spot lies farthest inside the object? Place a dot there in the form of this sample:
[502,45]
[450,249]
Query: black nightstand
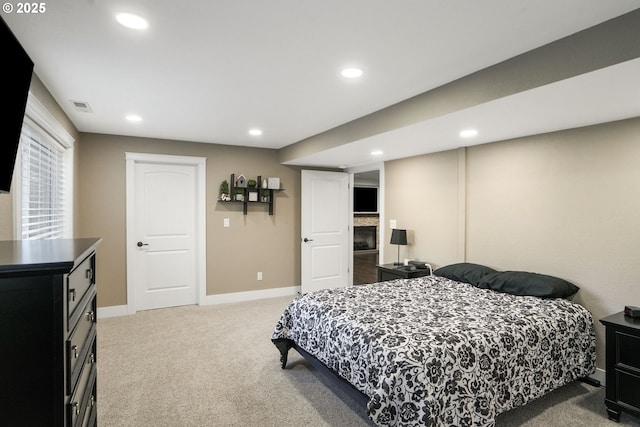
[392,272]
[623,365]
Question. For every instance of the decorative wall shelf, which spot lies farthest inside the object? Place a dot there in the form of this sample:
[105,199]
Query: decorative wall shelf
[248,195]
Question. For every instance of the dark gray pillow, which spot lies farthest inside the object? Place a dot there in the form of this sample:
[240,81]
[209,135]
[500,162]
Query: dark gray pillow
[529,284]
[464,272]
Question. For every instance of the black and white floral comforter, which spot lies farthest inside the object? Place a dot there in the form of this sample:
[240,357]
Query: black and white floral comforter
[432,351]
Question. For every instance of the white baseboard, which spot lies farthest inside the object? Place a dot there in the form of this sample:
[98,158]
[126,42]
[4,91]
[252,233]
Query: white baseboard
[123,310]
[600,375]
[113,311]
[251,295]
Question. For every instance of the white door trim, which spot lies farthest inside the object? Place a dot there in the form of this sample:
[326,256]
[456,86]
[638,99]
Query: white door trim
[381,198]
[200,227]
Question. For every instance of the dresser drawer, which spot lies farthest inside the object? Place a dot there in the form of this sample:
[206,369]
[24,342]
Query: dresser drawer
[81,343]
[79,281]
[91,411]
[81,398]
[628,347]
[628,389]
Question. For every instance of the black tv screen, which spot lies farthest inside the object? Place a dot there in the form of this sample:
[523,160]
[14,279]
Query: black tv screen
[17,69]
[365,199]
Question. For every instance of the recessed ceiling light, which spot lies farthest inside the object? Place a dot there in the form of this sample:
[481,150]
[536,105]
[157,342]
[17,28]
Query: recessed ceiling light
[468,133]
[377,153]
[351,73]
[134,118]
[255,132]
[132,21]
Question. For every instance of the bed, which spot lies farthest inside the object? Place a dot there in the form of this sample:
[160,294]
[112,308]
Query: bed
[437,351]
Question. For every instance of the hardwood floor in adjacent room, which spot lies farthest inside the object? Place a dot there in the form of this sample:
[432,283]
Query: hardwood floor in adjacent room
[364,267]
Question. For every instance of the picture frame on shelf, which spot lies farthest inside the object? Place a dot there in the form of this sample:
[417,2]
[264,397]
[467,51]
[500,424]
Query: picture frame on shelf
[273,183]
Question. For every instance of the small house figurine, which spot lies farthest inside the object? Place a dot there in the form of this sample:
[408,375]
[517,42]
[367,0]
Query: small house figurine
[241,181]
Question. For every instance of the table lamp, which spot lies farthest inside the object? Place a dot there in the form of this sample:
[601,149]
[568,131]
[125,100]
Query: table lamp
[398,237]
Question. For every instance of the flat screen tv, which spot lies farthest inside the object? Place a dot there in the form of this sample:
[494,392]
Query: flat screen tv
[365,199]
[17,69]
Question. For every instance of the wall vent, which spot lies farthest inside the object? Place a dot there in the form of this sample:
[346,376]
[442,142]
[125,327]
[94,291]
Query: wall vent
[83,107]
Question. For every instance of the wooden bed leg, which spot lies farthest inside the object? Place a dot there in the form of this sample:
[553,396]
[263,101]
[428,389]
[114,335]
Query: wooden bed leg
[591,381]
[283,346]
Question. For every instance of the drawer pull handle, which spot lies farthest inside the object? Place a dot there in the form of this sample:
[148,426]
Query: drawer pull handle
[76,406]
[89,274]
[72,294]
[75,351]
[90,316]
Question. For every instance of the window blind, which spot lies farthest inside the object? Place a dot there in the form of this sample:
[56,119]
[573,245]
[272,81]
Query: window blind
[43,184]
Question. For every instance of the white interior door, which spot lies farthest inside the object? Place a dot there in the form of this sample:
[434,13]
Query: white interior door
[325,230]
[164,220]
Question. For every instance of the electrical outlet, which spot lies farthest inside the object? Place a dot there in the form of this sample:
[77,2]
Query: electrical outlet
[226,222]
[393,223]
[259,275]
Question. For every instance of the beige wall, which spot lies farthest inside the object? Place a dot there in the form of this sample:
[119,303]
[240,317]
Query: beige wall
[565,204]
[255,242]
[6,217]
[421,194]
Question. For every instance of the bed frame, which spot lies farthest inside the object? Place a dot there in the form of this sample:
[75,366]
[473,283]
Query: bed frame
[345,386]
[361,399]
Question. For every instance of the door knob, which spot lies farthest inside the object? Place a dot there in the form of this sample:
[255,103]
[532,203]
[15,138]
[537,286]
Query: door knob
[307,240]
[140,244]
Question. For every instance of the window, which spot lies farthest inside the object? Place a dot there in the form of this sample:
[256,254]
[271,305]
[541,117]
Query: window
[43,196]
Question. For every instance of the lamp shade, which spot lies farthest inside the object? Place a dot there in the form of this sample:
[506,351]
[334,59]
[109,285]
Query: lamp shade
[398,236]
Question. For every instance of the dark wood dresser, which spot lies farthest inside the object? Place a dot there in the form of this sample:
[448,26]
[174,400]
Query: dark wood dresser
[623,365]
[48,332]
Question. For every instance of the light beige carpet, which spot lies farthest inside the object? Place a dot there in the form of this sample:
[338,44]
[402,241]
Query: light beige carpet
[216,366]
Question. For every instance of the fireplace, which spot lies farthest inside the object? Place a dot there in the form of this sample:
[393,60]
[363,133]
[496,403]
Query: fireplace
[365,237]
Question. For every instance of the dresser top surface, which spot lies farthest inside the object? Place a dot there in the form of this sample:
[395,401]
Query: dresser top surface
[56,256]
[620,320]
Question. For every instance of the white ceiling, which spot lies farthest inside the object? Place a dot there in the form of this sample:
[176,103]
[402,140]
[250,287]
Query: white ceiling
[605,95]
[209,70]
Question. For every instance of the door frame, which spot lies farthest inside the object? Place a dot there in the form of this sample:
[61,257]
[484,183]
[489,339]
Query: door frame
[381,217]
[199,163]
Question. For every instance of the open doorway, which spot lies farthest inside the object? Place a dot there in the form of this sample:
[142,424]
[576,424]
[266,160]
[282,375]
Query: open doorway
[367,202]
